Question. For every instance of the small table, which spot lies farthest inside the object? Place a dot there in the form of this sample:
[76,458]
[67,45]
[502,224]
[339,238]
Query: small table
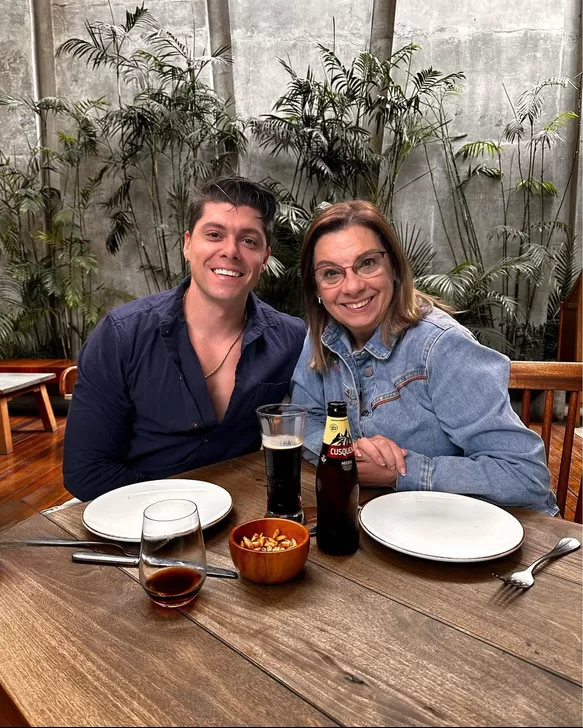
[13,385]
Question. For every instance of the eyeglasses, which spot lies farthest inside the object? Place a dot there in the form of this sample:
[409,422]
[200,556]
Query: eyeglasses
[366,266]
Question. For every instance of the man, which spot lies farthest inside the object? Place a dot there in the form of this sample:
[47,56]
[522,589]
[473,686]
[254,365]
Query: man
[170,382]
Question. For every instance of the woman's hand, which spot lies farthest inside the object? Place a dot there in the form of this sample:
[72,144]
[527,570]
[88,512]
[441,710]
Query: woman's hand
[379,460]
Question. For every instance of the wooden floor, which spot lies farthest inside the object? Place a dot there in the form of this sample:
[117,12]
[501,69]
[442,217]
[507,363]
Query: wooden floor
[31,478]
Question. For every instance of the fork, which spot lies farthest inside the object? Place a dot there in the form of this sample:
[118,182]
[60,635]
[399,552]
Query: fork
[525,579]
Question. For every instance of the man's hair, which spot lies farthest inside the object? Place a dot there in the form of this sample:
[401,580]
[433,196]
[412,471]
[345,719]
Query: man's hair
[238,191]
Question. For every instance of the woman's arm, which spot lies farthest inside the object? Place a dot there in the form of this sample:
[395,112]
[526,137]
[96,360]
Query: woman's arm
[503,461]
[307,390]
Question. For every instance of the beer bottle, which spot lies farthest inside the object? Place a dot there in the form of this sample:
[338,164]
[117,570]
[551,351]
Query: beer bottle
[337,486]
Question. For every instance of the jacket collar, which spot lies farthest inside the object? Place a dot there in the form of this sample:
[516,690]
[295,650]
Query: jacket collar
[335,337]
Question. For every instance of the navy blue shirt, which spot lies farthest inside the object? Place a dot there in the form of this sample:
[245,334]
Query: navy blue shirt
[141,409]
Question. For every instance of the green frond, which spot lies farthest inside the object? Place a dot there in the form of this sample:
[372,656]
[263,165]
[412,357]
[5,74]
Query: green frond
[141,17]
[508,232]
[479,149]
[546,138]
[561,120]
[31,200]
[526,265]
[418,251]
[509,305]
[514,131]
[64,217]
[530,103]
[537,187]
[551,225]
[274,267]
[482,170]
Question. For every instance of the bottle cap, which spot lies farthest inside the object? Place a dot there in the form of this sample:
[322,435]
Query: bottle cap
[337,409]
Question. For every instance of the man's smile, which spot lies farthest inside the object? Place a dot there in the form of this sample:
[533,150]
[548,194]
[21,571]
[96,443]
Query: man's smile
[225,272]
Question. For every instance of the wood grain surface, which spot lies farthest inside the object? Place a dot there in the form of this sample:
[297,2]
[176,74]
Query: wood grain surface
[84,645]
[377,638]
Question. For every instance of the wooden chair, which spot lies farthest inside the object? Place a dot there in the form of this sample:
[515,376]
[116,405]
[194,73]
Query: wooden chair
[549,376]
[67,380]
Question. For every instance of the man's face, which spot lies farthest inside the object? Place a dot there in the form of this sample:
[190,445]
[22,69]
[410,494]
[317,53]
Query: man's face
[227,250]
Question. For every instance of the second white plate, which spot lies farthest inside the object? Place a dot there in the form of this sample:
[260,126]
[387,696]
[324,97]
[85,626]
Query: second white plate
[441,526]
[118,514]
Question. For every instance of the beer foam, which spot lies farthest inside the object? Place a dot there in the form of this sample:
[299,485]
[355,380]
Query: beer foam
[281,442]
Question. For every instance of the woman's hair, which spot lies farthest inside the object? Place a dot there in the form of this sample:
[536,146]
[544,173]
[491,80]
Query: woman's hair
[407,306]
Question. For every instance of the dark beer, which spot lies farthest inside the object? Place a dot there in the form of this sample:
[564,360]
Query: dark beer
[174,586]
[337,486]
[283,463]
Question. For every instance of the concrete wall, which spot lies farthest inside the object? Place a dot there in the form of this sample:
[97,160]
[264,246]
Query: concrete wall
[16,74]
[498,45]
[504,50]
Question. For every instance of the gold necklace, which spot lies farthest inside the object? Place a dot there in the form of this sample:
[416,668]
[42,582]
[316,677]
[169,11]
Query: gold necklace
[224,359]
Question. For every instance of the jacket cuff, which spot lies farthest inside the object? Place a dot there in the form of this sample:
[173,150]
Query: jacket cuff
[418,475]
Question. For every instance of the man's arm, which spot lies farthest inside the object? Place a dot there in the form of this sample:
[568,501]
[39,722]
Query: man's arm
[99,422]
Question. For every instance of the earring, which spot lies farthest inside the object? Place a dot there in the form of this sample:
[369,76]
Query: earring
[319,300]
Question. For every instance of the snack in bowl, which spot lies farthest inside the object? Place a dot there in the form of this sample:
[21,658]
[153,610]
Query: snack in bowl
[269,550]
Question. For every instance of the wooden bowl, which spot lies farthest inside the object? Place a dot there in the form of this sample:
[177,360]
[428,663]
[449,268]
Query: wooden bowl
[273,567]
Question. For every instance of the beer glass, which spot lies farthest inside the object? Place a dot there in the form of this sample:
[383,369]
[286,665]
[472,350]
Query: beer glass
[282,435]
[172,553]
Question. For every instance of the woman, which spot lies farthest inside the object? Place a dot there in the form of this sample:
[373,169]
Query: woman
[428,405]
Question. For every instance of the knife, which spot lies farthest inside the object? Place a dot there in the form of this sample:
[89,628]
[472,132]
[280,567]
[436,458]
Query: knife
[62,542]
[89,557]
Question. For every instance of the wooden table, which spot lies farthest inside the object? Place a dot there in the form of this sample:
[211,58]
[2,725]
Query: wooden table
[15,384]
[377,638]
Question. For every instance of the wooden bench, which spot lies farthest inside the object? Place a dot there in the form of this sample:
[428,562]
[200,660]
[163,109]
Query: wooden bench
[13,385]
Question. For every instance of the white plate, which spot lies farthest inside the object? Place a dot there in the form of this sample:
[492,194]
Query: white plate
[441,526]
[118,514]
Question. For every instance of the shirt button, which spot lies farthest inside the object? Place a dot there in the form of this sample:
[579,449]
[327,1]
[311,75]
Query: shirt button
[365,413]
[196,424]
[368,372]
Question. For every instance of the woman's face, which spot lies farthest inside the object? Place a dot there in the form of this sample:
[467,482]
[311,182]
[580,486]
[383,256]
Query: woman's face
[358,303]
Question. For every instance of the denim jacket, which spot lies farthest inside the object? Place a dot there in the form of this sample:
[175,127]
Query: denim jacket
[442,396]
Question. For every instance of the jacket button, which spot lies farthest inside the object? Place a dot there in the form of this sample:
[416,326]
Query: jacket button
[195,425]
[205,440]
[368,372]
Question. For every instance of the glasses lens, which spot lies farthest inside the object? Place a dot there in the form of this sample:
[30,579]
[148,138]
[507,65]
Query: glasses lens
[369,264]
[329,276]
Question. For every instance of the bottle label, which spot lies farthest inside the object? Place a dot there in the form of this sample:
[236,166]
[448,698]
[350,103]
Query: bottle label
[337,439]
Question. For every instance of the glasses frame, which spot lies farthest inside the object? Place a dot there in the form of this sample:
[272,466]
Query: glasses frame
[348,267]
